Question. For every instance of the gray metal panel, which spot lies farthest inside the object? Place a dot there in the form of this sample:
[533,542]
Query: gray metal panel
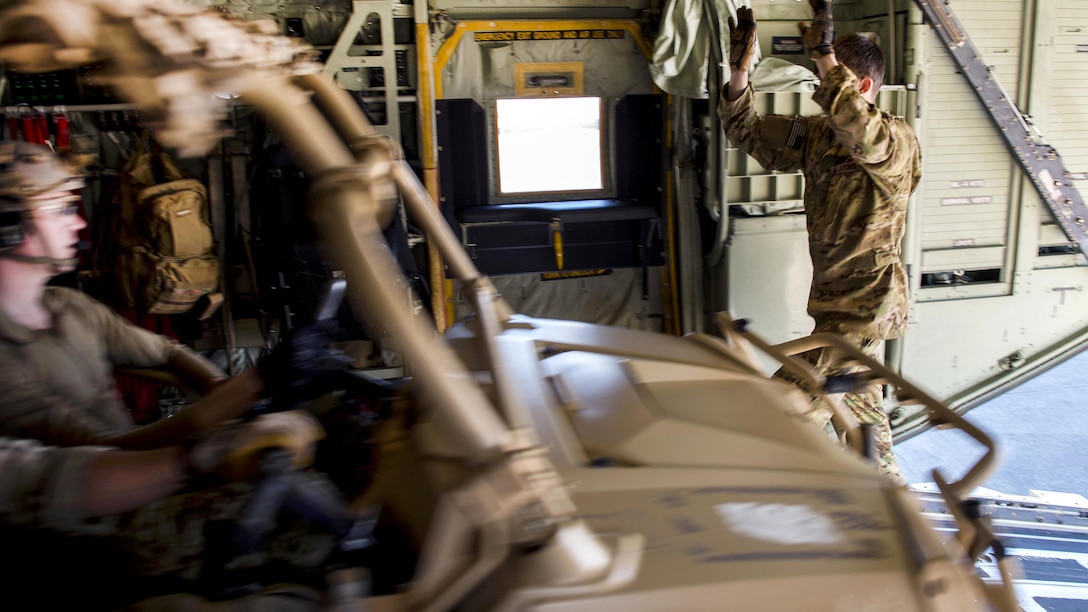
[615,299]
[1063,114]
[995,27]
[485,71]
[1058,104]
[968,258]
[960,335]
[344,65]
[1040,161]
[769,273]
[967,168]
[957,344]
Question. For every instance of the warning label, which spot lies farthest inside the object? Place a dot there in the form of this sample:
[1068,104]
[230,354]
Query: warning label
[962,201]
[550,35]
[787,45]
[962,184]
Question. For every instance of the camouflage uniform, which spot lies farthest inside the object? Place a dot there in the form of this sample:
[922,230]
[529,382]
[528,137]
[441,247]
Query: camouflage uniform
[867,405]
[860,166]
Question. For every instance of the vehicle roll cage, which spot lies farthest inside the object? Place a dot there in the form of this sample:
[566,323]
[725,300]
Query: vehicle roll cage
[167,56]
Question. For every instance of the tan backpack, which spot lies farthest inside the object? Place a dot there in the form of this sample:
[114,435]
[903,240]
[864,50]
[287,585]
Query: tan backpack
[165,252]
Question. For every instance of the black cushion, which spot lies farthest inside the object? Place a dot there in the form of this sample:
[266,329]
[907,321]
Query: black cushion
[565,212]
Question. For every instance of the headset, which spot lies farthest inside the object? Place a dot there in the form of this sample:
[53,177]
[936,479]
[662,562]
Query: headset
[12,229]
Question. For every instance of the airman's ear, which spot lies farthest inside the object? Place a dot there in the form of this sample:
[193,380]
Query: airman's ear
[865,85]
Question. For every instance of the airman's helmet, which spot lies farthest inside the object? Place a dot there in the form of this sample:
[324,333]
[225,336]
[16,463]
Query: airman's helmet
[30,172]
[31,175]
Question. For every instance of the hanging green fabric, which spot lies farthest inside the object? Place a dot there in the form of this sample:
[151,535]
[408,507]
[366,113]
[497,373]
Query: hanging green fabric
[682,49]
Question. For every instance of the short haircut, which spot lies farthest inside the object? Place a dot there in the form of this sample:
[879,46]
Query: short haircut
[862,56]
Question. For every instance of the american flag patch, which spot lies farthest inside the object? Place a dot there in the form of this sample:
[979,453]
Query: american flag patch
[797,134]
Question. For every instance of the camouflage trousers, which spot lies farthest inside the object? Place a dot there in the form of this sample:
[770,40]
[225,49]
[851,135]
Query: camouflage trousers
[867,405]
[164,547]
[170,538]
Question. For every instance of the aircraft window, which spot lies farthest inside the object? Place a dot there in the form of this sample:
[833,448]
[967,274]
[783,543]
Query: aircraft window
[549,144]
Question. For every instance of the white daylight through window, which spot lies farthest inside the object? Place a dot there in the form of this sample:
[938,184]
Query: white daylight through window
[549,144]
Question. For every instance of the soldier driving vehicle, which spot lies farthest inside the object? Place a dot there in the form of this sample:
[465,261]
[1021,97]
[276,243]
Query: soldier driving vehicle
[59,349]
[537,392]
[59,346]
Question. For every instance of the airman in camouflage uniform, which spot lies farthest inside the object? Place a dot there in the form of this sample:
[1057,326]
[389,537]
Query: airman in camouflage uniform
[58,349]
[860,166]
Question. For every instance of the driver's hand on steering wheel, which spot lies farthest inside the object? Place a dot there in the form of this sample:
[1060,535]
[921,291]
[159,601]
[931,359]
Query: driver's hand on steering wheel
[234,450]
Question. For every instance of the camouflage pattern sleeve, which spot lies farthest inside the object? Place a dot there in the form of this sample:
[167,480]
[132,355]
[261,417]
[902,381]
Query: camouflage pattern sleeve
[775,141]
[858,125]
[865,165]
[39,486]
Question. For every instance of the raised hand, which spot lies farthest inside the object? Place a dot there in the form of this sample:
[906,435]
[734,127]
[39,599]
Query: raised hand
[820,34]
[742,40]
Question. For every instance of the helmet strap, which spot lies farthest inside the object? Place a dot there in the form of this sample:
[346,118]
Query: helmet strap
[55,261]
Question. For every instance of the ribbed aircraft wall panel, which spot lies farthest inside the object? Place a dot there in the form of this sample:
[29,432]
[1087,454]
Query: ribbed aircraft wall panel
[995,27]
[1058,108]
[969,197]
[1065,120]
[967,180]
[968,338]
[950,231]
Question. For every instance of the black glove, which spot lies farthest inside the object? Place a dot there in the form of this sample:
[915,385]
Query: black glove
[296,368]
[820,35]
[742,40]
